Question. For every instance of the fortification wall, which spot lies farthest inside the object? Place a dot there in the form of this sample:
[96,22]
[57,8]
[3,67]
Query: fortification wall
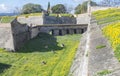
[83,19]
[21,33]
[6,38]
[40,20]
[35,20]
[63,29]
[59,20]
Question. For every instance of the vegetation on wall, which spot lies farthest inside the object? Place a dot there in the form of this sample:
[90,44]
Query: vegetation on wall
[42,56]
[59,8]
[112,32]
[31,8]
[106,16]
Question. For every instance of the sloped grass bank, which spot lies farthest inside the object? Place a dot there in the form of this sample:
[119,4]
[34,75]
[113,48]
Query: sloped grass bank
[106,16]
[112,32]
[43,56]
[7,19]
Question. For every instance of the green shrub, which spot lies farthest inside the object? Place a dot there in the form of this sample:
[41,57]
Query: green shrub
[100,46]
[103,73]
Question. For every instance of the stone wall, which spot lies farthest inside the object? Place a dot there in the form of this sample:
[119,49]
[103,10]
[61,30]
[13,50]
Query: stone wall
[21,33]
[35,20]
[34,32]
[6,38]
[40,20]
[59,20]
[83,19]
[63,29]
[96,8]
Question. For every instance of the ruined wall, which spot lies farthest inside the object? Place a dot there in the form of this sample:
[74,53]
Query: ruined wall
[6,39]
[59,20]
[55,29]
[35,20]
[21,33]
[34,32]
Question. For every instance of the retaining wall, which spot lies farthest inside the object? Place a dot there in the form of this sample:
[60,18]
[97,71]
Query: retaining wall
[59,20]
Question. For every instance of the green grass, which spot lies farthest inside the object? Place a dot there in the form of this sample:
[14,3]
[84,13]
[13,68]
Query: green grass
[100,46]
[62,15]
[31,14]
[28,61]
[106,16]
[103,73]
[7,19]
[117,52]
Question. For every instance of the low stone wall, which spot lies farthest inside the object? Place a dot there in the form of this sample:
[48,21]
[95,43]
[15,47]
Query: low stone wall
[21,33]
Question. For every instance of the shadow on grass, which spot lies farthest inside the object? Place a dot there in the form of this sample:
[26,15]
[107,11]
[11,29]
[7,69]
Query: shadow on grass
[4,67]
[42,43]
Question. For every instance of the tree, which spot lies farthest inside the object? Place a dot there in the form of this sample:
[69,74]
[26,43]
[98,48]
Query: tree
[110,2]
[82,8]
[59,8]
[31,8]
[48,9]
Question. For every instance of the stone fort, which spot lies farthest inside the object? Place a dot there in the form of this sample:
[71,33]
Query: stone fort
[13,35]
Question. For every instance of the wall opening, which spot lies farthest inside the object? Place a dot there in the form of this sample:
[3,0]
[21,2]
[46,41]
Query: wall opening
[52,32]
[75,31]
[82,30]
[67,31]
[60,32]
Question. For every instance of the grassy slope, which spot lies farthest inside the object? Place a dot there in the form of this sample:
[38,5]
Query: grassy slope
[106,16]
[112,31]
[28,61]
[7,19]
[31,14]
